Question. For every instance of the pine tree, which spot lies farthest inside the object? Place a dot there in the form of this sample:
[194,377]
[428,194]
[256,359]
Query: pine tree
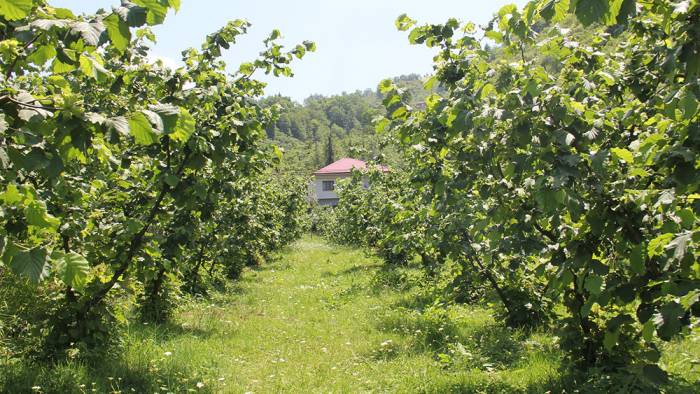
[329,151]
[317,155]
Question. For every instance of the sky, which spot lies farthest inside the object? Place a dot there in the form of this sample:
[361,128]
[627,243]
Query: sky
[357,42]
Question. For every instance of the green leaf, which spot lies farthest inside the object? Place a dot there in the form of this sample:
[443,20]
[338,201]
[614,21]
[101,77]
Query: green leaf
[133,15]
[93,69]
[680,245]
[600,11]
[687,217]
[657,245]
[586,307]
[299,51]
[688,103]
[246,68]
[118,32]
[549,200]
[89,32]
[11,196]
[555,10]
[66,61]
[623,154]
[381,125]
[690,299]
[171,180]
[594,284]
[184,128]
[628,9]
[648,330]
[174,4]
[72,269]
[399,112]
[403,22]
[37,215]
[86,67]
[59,67]
[13,10]
[31,264]
[120,124]
[668,322]
[63,13]
[141,129]
[606,77]
[385,86]
[655,374]
[494,35]
[168,114]
[42,55]
[156,10]
[637,260]
[310,46]
[610,339]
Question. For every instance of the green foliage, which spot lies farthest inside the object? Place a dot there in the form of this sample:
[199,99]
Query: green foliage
[115,170]
[13,10]
[569,189]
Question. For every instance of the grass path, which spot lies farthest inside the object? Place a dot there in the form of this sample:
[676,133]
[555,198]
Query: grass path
[327,319]
[323,319]
[306,323]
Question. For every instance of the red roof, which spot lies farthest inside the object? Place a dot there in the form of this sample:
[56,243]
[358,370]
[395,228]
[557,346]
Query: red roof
[345,166]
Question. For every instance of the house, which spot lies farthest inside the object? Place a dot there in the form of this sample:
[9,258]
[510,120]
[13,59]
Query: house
[325,179]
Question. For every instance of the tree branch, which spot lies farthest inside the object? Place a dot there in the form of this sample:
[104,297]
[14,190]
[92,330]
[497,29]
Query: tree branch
[29,105]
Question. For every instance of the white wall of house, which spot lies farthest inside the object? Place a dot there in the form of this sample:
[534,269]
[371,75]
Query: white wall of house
[329,197]
[323,195]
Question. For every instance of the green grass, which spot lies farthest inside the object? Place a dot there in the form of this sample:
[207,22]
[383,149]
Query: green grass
[324,318]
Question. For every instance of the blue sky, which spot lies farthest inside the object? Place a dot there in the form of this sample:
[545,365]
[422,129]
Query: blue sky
[358,44]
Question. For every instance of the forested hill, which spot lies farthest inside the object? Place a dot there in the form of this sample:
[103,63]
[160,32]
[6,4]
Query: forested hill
[304,130]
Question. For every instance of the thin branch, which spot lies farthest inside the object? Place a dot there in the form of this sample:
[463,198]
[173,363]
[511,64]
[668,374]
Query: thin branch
[33,106]
[547,233]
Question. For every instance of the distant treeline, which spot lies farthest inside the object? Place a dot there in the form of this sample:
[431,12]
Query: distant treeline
[304,130]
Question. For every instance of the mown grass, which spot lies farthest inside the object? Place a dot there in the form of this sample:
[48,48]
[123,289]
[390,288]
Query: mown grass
[324,318]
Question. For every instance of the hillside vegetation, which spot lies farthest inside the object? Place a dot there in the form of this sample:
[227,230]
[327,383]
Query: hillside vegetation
[347,120]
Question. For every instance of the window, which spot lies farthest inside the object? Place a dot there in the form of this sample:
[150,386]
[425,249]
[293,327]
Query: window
[328,186]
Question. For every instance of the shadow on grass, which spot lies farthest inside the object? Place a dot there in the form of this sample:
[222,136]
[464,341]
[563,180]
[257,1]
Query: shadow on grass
[353,270]
[168,331]
[435,333]
[482,355]
[395,278]
[109,374]
[567,381]
[138,365]
[342,297]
